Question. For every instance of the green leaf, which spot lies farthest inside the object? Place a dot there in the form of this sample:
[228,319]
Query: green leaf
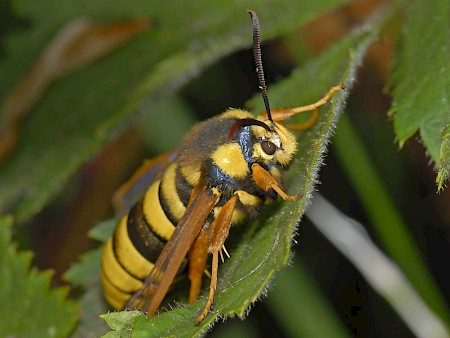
[171,109]
[103,230]
[422,75]
[444,156]
[91,305]
[264,244]
[81,112]
[29,308]
[120,323]
[86,274]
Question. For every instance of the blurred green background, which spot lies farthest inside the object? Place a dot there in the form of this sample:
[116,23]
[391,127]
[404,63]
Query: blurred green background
[403,181]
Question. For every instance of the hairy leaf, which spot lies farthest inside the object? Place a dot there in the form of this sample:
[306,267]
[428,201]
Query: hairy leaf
[81,112]
[264,244]
[422,76]
[444,156]
[29,308]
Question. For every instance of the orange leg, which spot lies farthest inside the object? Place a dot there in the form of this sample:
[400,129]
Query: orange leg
[201,203]
[305,125]
[283,114]
[266,181]
[219,233]
[198,255]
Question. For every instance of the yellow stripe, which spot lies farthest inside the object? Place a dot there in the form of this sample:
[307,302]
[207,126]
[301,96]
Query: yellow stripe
[235,114]
[114,271]
[154,214]
[169,192]
[127,254]
[191,173]
[230,159]
[248,199]
[114,296]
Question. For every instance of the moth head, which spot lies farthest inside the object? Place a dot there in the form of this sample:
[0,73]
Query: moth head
[272,142]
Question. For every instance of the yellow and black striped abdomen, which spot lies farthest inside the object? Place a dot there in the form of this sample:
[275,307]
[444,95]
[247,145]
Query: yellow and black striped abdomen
[140,236]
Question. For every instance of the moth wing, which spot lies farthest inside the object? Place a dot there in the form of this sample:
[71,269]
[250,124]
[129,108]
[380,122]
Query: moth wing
[132,190]
[149,297]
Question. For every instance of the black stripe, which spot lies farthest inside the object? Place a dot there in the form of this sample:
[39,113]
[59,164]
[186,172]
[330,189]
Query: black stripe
[165,206]
[184,189]
[145,218]
[148,243]
[114,240]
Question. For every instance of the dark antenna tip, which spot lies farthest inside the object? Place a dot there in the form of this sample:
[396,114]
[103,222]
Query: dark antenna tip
[258,61]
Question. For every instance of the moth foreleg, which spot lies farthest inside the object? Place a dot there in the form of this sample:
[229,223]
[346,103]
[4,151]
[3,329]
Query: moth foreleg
[198,255]
[266,181]
[219,233]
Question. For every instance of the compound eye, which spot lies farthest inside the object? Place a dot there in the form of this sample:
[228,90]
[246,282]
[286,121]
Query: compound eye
[268,147]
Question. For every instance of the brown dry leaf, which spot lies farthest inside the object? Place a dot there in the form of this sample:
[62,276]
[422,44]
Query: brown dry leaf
[77,44]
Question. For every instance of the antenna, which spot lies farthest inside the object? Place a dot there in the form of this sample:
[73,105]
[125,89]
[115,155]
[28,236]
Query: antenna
[258,61]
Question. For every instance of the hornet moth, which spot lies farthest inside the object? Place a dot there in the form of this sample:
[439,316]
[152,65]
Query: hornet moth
[227,168]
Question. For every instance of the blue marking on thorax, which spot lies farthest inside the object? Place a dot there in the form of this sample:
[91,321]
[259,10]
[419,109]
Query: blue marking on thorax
[246,140]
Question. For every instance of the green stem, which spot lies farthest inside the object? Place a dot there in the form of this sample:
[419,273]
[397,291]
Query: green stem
[311,316]
[387,221]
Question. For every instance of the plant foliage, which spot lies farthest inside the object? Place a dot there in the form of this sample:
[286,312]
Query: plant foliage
[82,109]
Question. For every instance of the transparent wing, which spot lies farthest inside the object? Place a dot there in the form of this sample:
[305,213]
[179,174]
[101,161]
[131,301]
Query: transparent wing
[131,191]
